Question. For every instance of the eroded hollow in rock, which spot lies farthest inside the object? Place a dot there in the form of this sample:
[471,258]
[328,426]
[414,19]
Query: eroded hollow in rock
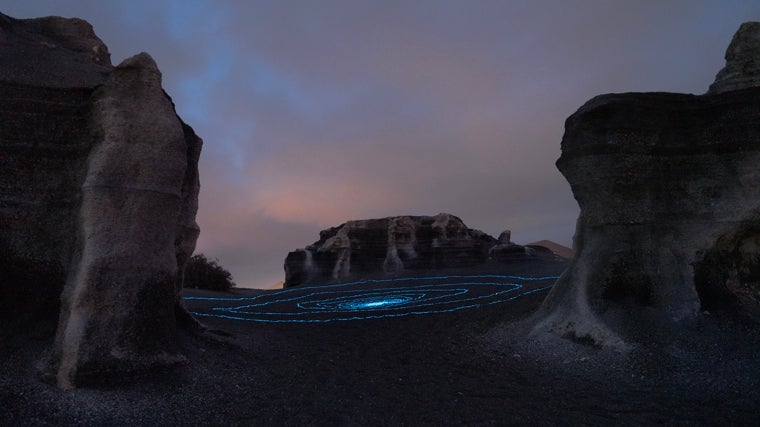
[626,284]
[728,276]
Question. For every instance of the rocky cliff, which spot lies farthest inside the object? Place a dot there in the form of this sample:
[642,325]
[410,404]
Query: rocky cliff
[98,195]
[669,191]
[389,246]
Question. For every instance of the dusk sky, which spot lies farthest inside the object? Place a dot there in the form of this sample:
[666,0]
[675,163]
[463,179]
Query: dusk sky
[318,112]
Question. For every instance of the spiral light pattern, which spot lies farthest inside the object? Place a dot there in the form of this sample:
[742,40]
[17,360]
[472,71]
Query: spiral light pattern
[375,299]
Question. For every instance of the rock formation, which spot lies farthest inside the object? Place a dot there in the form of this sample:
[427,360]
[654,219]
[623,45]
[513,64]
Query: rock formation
[389,246]
[668,186]
[98,196]
[505,250]
[742,68]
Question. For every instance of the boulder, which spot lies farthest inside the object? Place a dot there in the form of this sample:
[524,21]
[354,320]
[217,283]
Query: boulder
[389,246]
[98,196]
[670,212]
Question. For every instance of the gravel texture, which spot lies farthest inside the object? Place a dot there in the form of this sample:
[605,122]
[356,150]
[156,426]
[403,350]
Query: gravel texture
[479,366]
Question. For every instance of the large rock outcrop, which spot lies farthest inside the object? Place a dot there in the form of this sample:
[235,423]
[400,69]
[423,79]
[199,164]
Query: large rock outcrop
[98,196]
[388,246]
[669,191]
[742,68]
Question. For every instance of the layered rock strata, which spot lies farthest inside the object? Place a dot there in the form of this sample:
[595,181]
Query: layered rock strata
[98,196]
[389,246]
[669,191]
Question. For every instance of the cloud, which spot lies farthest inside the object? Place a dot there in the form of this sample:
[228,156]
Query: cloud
[314,113]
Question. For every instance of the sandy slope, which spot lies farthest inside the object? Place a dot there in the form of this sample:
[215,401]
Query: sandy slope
[556,248]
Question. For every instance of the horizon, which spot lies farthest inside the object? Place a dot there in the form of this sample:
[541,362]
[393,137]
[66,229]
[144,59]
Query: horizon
[314,116]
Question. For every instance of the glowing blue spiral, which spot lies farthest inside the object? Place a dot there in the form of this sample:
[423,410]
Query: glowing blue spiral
[373,299]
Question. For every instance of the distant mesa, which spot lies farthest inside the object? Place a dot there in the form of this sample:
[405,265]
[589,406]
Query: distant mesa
[98,196]
[670,207]
[390,246]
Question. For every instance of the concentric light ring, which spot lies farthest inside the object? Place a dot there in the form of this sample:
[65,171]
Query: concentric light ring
[375,299]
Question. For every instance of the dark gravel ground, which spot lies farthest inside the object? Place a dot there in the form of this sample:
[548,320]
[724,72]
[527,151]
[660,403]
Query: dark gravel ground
[478,366]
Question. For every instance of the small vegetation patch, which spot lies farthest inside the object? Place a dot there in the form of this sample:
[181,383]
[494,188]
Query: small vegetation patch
[203,273]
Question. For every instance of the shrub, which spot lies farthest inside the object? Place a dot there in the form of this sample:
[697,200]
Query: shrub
[203,273]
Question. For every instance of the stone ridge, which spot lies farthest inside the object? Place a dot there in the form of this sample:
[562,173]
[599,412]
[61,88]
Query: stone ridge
[393,245]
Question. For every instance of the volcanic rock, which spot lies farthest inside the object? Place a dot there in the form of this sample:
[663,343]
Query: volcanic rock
[509,251]
[742,68]
[505,250]
[670,211]
[98,196]
[389,246]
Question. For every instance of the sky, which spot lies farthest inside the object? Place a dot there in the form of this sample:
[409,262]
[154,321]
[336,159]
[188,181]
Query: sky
[314,113]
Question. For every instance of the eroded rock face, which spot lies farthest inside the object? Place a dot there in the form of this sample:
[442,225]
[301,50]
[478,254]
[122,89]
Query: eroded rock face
[98,195]
[47,76]
[367,248]
[670,213]
[742,68]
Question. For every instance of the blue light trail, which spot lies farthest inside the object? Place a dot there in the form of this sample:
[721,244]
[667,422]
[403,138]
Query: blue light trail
[374,299]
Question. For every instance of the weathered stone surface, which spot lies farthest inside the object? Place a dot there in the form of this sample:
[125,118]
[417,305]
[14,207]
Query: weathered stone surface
[390,246]
[51,52]
[98,195]
[506,251]
[509,251]
[742,68]
[46,78]
[505,237]
[668,187]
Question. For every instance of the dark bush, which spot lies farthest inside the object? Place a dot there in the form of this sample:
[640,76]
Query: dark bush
[203,273]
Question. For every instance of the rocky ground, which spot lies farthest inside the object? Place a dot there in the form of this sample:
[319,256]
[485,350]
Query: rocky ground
[475,366]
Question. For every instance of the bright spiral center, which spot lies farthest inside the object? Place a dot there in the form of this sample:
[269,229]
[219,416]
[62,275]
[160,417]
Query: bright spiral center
[373,304]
